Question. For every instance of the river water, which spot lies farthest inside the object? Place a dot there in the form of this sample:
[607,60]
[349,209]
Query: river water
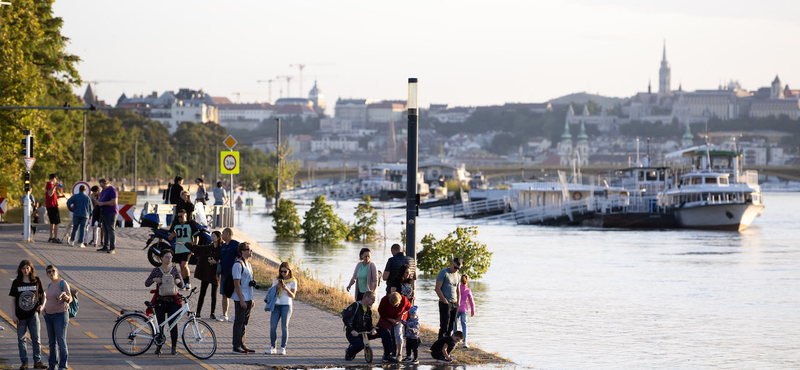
[583,298]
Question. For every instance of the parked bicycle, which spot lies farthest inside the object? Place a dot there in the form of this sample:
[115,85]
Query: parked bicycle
[134,333]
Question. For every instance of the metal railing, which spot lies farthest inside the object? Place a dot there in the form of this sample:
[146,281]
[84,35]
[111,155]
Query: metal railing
[215,216]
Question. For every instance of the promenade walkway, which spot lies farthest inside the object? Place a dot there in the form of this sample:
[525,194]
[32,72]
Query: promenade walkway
[109,283]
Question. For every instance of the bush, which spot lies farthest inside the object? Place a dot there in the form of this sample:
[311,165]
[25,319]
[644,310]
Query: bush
[437,254]
[366,219]
[287,223]
[321,225]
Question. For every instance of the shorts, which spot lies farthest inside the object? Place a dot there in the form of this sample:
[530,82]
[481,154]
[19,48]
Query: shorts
[222,284]
[180,257]
[53,215]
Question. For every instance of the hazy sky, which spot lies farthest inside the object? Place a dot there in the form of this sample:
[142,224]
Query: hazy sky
[463,52]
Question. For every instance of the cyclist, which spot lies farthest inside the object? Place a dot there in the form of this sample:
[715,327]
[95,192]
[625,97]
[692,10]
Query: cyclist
[168,304]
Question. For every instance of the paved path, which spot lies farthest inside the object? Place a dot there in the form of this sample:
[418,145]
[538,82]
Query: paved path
[110,283]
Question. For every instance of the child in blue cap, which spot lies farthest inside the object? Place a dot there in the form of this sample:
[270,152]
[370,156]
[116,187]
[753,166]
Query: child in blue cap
[412,336]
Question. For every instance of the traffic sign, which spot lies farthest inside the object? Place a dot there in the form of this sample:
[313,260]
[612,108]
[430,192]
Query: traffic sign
[76,188]
[126,212]
[229,162]
[2,206]
[29,162]
[3,193]
[126,197]
[248,202]
[230,142]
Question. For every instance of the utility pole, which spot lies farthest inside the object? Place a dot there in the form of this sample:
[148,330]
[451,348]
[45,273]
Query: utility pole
[412,197]
[278,165]
[83,147]
[136,166]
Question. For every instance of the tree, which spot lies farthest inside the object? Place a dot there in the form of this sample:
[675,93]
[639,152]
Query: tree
[287,223]
[321,225]
[437,254]
[366,219]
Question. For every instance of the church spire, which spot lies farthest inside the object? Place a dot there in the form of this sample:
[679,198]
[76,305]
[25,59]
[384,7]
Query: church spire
[664,56]
[566,136]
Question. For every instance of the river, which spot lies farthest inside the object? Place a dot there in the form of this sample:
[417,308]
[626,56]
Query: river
[583,298]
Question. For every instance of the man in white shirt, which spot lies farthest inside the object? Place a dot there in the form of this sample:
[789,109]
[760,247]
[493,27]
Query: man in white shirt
[242,298]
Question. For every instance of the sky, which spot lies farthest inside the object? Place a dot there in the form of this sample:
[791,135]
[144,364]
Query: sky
[463,52]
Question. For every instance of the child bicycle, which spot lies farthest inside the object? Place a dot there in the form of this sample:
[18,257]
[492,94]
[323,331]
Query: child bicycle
[367,350]
[134,333]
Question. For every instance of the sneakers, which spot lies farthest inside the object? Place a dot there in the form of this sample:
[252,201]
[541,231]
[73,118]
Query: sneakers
[445,361]
[466,345]
[104,249]
[231,319]
[212,317]
[407,359]
[24,366]
[82,245]
[270,351]
[174,351]
[39,365]
[222,318]
[239,350]
[187,286]
[283,351]
[348,356]
[248,350]
[71,243]
[389,360]
[111,251]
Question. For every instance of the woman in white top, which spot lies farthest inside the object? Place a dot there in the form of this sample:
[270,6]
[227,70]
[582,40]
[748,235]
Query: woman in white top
[286,285]
[243,283]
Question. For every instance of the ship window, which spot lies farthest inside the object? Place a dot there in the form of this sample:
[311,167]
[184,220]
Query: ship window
[652,176]
[696,180]
[723,180]
[711,180]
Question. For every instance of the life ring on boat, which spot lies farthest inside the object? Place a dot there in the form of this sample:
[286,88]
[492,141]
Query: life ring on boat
[577,196]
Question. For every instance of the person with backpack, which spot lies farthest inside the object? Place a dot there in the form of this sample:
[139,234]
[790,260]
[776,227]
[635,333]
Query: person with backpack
[56,317]
[168,280]
[28,302]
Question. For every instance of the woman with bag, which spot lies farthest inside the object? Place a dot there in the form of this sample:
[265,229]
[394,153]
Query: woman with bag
[28,302]
[168,280]
[56,317]
[286,285]
[365,275]
[206,270]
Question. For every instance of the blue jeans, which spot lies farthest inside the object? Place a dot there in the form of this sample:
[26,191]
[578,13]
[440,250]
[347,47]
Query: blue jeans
[461,316]
[32,326]
[109,238]
[57,334]
[79,224]
[283,313]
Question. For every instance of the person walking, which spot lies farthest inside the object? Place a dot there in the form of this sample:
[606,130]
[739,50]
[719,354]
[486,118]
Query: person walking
[286,285]
[228,254]
[201,196]
[243,284]
[97,216]
[56,318]
[449,296]
[365,276]
[108,200]
[220,197]
[53,191]
[28,301]
[206,270]
[466,300]
[81,207]
[183,232]
[167,301]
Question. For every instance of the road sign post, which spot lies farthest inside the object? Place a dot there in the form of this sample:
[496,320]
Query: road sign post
[230,142]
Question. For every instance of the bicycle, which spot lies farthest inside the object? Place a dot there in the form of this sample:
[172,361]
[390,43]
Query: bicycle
[367,350]
[133,333]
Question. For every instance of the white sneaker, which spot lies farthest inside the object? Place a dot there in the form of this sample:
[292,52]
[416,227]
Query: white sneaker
[231,319]
[82,245]
[70,243]
[283,351]
[466,345]
[270,351]
[187,286]
[222,318]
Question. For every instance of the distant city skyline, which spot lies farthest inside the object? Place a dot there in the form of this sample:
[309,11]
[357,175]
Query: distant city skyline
[464,53]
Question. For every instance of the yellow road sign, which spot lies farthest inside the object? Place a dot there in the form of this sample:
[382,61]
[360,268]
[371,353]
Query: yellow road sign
[229,163]
[230,142]
[126,197]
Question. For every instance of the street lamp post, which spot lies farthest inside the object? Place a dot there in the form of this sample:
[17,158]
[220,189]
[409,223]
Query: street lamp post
[278,165]
[412,197]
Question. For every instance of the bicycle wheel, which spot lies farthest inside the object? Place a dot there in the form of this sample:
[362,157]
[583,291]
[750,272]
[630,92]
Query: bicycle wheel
[368,354]
[133,334]
[199,339]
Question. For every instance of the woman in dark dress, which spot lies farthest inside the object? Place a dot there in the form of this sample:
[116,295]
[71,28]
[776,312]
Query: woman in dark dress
[206,270]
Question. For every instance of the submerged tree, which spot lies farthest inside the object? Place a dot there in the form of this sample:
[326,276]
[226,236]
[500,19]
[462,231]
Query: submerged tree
[321,225]
[366,219]
[287,223]
[437,254]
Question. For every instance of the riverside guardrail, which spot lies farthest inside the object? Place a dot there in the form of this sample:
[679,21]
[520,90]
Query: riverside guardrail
[215,216]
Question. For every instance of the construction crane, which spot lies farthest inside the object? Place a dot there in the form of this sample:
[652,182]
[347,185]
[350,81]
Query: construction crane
[300,67]
[270,88]
[288,87]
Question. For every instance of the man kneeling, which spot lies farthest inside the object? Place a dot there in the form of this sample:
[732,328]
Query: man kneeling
[358,318]
[441,349]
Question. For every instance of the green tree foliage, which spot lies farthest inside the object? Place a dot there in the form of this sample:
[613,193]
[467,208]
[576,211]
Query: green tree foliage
[366,219]
[36,70]
[321,225]
[269,171]
[287,223]
[437,254]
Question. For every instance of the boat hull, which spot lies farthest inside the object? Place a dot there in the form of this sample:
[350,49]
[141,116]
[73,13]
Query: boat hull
[736,217]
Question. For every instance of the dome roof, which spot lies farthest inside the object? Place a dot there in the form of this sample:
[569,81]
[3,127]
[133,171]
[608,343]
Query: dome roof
[315,91]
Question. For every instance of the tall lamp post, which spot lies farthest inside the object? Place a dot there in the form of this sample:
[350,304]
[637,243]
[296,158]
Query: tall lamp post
[412,197]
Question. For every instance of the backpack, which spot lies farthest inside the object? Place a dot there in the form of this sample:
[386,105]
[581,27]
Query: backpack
[168,287]
[229,288]
[73,304]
